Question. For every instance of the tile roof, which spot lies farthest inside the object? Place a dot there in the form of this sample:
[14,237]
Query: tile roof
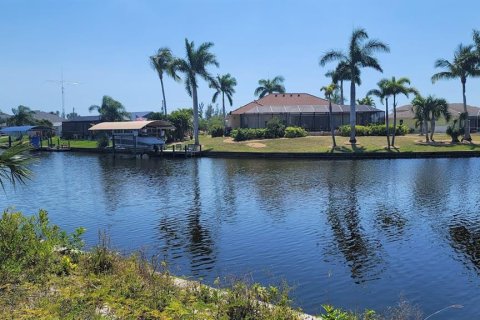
[295,103]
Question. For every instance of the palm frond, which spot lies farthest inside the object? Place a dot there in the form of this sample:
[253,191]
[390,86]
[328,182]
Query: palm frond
[442,76]
[14,165]
[333,55]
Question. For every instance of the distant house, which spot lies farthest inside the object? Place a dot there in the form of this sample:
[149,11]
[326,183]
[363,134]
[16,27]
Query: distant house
[299,109]
[53,118]
[77,128]
[406,114]
[140,116]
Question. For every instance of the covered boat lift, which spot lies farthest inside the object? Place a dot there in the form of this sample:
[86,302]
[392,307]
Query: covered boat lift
[36,133]
[135,134]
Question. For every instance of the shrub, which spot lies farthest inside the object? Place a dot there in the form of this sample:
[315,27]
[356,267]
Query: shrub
[102,141]
[247,134]
[216,131]
[373,130]
[275,129]
[454,132]
[30,247]
[295,132]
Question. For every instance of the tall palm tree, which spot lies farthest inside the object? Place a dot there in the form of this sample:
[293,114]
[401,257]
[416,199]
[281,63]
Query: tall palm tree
[383,92]
[359,55]
[224,85]
[438,108]
[463,65]
[267,86]
[193,65]
[367,101]
[329,90]
[110,110]
[341,74]
[21,116]
[397,87]
[421,109]
[13,164]
[162,62]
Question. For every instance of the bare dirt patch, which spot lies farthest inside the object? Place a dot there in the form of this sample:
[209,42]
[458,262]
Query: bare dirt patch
[228,140]
[256,145]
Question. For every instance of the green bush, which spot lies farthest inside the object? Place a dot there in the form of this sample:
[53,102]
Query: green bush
[102,141]
[295,132]
[216,131]
[275,129]
[373,130]
[247,134]
[30,247]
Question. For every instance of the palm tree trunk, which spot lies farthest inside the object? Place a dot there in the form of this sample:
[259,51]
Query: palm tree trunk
[426,130]
[387,124]
[195,113]
[432,127]
[353,115]
[394,121]
[466,136]
[163,94]
[342,101]
[224,117]
[332,129]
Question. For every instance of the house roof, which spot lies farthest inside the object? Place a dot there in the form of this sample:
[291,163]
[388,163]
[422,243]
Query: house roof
[295,103]
[131,125]
[41,115]
[84,118]
[139,115]
[406,111]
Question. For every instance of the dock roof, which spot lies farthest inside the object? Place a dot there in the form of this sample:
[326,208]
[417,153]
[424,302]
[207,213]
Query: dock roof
[131,125]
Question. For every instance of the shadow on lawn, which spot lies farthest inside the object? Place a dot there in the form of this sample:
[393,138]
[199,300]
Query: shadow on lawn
[355,148]
[443,144]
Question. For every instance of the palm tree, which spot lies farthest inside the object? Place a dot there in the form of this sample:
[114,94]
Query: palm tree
[21,116]
[367,101]
[110,110]
[270,86]
[329,90]
[162,62]
[422,112]
[341,74]
[360,55]
[438,108]
[13,164]
[224,85]
[195,63]
[383,92]
[463,65]
[398,87]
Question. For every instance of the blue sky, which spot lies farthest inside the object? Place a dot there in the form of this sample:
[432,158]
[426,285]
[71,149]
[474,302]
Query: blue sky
[105,45]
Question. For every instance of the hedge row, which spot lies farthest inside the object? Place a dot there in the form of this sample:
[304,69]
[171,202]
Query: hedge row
[373,130]
[250,134]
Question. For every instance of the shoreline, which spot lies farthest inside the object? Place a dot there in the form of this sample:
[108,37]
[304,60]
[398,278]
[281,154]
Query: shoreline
[287,155]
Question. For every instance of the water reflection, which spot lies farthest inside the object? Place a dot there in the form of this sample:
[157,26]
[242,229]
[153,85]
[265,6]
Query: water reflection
[363,254]
[465,239]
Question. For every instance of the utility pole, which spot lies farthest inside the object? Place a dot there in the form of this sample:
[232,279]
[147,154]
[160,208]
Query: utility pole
[62,83]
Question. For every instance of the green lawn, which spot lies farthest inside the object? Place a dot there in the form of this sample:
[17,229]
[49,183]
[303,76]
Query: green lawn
[408,143]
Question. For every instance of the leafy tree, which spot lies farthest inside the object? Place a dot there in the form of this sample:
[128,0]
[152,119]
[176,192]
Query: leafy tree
[14,164]
[224,85]
[201,105]
[72,115]
[267,86]
[193,65]
[110,110]
[359,55]
[162,62]
[383,92]
[209,112]
[464,65]
[398,86]
[367,101]
[22,116]
[44,123]
[329,90]
[182,120]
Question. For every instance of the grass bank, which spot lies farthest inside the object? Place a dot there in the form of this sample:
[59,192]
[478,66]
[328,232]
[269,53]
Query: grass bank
[322,144]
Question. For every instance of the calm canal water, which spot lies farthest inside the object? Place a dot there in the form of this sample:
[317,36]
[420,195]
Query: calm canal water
[356,234]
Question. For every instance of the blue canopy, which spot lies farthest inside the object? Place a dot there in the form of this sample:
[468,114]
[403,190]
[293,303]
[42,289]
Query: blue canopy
[23,129]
